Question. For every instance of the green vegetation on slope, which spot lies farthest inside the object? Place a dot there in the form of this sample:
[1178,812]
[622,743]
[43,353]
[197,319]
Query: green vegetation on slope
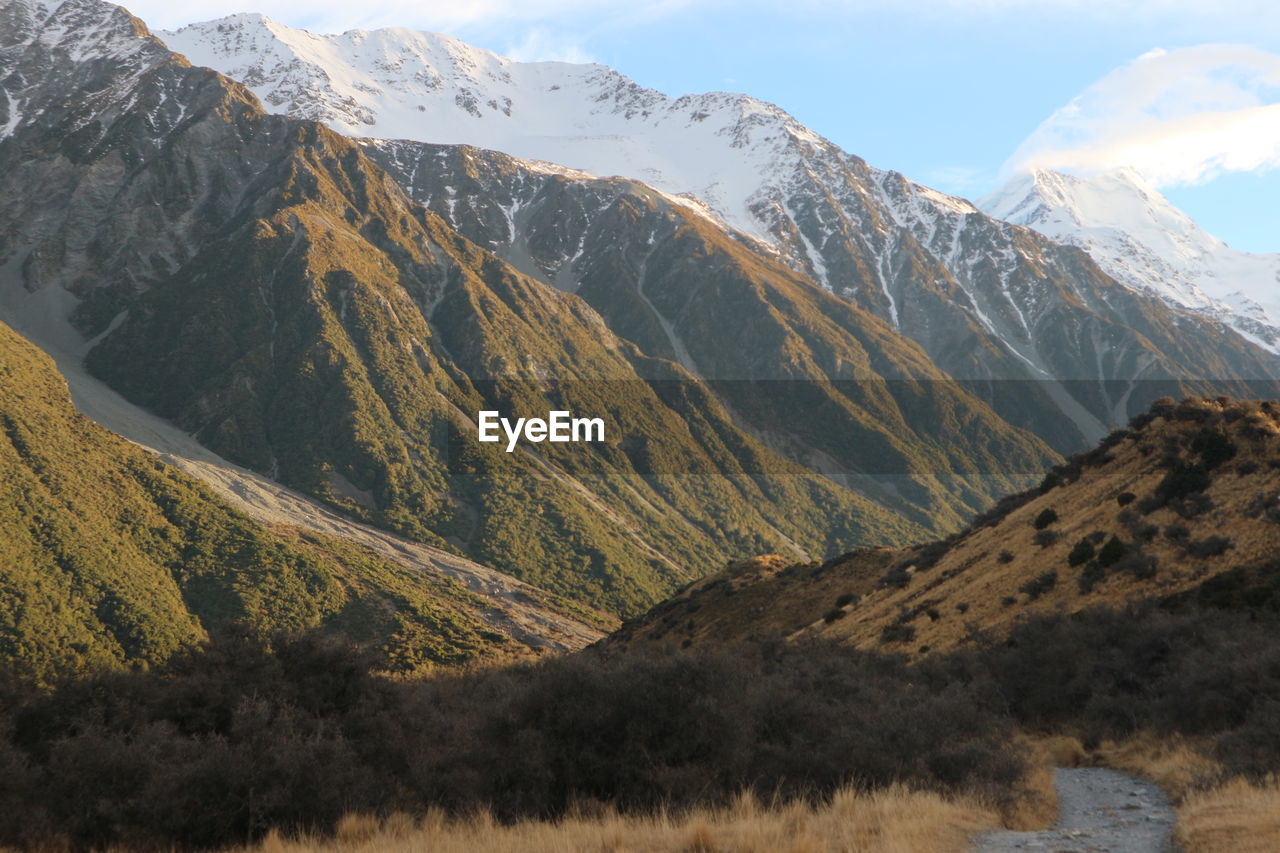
[109,557]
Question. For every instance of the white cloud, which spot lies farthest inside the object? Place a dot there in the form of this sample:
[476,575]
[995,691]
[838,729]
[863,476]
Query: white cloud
[1179,117]
[541,44]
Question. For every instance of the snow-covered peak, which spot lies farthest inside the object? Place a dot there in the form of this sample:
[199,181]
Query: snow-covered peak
[396,83]
[1144,241]
[52,53]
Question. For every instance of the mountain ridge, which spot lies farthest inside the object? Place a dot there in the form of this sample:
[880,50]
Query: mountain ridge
[988,301]
[1146,243]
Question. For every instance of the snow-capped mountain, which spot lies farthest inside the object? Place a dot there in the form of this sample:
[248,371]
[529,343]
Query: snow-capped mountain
[1142,240]
[988,301]
[404,84]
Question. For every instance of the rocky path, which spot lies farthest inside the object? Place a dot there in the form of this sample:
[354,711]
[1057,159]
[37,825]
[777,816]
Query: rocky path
[1098,810]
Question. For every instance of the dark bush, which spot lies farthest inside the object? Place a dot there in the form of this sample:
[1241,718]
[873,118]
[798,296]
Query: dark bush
[219,746]
[1082,552]
[1177,532]
[1126,498]
[1045,538]
[1183,480]
[1214,446]
[847,598]
[1005,557]
[1140,566]
[1003,507]
[1193,505]
[1111,552]
[1008,601]
[1039,585]
[1150,504]
[897,633]
[1051,481]
[962,606]
[896,578]
[1244,469]
[1212,546]
[1045,518]
[832,615]
[1092,574]
[927,556]
[1146,532]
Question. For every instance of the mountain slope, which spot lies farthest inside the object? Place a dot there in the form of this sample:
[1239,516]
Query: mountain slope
[824,382]
[1180,507]
[265,285]
[1038,330]
[109,557]
[1143,241]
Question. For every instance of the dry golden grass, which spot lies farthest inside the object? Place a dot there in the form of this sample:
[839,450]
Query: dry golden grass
[1237,816]
[895,820]
[973,587]
[1178,766]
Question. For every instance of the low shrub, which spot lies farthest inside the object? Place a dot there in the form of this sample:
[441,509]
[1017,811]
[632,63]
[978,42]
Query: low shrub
[1092,574]
[1214,446]
[897,633]
[1040,584]
[1183,480]
[1212,546]
[1111,552]
[1045,518]
[1140,566]
[1082,552]
[1045,538]
[896,578]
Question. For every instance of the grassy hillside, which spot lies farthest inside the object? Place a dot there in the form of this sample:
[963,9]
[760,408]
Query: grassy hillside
[1182,507]
[110,558]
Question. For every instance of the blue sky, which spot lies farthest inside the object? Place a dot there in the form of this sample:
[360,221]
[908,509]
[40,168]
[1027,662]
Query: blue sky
[945,91]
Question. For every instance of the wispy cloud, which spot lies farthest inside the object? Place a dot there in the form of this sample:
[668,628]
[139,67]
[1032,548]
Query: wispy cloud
[540,44]
[1179,117]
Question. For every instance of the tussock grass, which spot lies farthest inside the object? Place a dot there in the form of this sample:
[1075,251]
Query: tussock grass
[1180,767]
[893,820]
[1238,815]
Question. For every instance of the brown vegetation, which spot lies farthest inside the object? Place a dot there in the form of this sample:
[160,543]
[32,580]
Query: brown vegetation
[1201,471]
[892,820]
